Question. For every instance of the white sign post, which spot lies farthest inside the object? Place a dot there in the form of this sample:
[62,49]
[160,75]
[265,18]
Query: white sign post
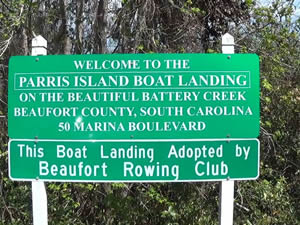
[39,195]
[227,187]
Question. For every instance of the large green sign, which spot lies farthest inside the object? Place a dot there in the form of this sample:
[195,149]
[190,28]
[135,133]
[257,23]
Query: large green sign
[134,96]
[139,160]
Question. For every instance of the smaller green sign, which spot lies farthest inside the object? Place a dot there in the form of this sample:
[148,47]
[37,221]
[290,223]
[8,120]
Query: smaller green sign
[134,161]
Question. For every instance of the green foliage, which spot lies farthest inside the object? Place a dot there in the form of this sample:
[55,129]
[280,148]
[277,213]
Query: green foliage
[14,197]
[272,32]
[277,44]
[265,203]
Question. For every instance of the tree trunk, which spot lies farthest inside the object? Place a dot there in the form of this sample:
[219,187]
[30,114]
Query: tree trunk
[100,23]
[79,26]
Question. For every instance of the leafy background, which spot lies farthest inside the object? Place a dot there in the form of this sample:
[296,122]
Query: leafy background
[173,26]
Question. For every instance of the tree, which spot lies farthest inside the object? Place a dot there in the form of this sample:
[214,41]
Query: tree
[175,26]
[272,34]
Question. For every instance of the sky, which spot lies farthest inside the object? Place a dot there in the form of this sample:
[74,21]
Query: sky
[296,4]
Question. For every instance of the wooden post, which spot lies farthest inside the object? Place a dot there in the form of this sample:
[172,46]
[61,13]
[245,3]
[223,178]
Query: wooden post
[227,187]
[39,195]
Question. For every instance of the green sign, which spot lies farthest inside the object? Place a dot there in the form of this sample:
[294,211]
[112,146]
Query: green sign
[134,161]
[134,96]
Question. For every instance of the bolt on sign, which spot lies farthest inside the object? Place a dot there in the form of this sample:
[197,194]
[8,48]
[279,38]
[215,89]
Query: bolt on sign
[134,160]
[134,96]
